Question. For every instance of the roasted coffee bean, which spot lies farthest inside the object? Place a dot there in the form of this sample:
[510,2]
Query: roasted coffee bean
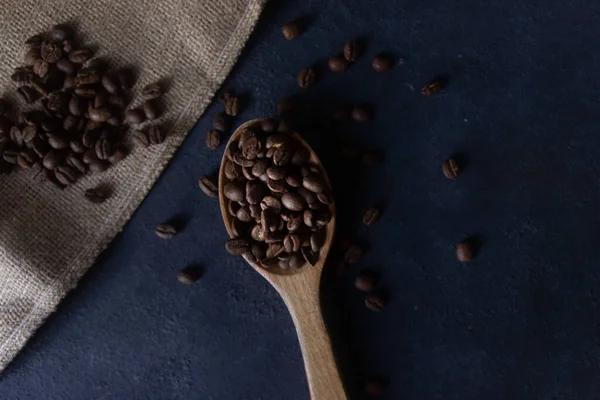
[324,198]
[189,275]
[269,220]
[433,87]
[222,122]
[165,231]
[61,32]
[338,64]
[292,243]
[310,256]
[51,52]
[232,106]
[152,91]
[57,101]
[77,105]
[308,196]
[361,114]
[313,183]
[51,124]
[80,56]
[317,240]
[22,75]
[134,116]
[260,168]
[294,180]
[375,387]
[237,247]
[243,214]
[213,139]
[465,251]
[58,141]
[274,250]
[68,46]
[26,159]
[234,191]
[66,175]
[291,30]
[353,254]
[66,66]
[86,91]
[89,156]
[100,101]
[450,168]
[282,156]
[270,202]
[209,185]
[232,171]
[39,147]
[151,109]
[97,195]
[28,94]
[156,134]
[52,159]
[109,84]
[41,68]
[276,173]
[140,138]
[98,166]
[352,50]
[296,261]
[255,192]
[75,162]
[307,77]
[371,159]
[10,156]
[276,186]
[381,63]
[257,233]
[16,135]
[103,149]
[34,42]
[274,237]
[99,114]
[309,218]
[375,302]
[370,216]
[276,140]
[28,133]
[366,281]
[119,153]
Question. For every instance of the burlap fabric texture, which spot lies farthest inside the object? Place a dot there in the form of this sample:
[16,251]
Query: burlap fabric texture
[50,237]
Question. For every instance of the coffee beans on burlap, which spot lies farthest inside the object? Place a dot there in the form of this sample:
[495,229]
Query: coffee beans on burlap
[278,199]
[55,235]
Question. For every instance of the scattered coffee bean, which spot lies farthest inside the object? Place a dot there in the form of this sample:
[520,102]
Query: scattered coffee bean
[365,281]
[352,50]
[209,185]
[134,116]
[151,109]
[375,302]
[156,134]
[97,195]
[361,114]
[381,63]
[465,251]
[232,105]
[291,30]
[307,77]
[353,254]
[165,231]
[375,387]
[152,91]
[213,139]
[189,275]
[338,64]
[433,87]
[140,138]
[370,216]
[450,168]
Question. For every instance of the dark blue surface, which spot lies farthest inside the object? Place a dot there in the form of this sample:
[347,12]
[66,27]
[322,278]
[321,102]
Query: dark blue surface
[520,322]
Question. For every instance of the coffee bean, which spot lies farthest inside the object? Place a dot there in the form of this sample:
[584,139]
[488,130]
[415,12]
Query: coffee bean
[353,254]
[66,66]
[310,256]
[99,114]
[97,195]
[375,387]
[381,63]
[134,116]
[238,246]
[189,275]
[313,183]
[433,87]
[255,192]
[51,52]
[291,30]
[58,141]
[52,159]
[61,32]
[66,175]
[140,138]
[232,171]
[292,243]
[103,149]
[68,46]
[34,42]
[209,185]
[41,68]
[80,56]
[372,159]
[151,109]
[222,122]
[26,159]
[232,106]
[338,64]
[307,77]
[370,216]
[89,156]
[152,91]
[213,139]
[352,50]
[156,134]
[69,82]
[292,201]
[317,240]
[109,84]
[165,231]
[450,168]
[465,251]
[324,198]
[361,114]
[365,281]
[234,191]
[375,302]
[98,166]
[28,94]
[75,162]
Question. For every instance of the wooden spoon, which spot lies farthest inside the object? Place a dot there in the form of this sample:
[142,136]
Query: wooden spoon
[300,292]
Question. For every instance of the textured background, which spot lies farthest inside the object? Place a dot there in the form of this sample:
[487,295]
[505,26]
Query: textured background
[520,322]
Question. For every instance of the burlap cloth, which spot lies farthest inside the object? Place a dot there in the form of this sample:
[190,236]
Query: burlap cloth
[50,237]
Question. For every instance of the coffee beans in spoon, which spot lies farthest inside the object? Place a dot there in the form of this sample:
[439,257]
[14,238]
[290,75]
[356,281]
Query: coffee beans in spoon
[278,199]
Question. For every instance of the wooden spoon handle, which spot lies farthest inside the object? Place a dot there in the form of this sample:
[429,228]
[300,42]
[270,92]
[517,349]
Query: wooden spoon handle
[321,370]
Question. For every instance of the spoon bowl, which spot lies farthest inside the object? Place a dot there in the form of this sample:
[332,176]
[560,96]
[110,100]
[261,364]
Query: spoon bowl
[299,289]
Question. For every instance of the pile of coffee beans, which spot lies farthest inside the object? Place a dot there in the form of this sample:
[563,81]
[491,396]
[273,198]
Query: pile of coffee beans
[77,116]
[278,199]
